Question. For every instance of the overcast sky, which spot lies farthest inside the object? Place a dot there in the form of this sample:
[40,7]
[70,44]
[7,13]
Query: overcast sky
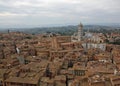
[39,13]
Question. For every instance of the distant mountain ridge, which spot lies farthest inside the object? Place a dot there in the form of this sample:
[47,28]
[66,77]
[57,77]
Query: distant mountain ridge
[61,29]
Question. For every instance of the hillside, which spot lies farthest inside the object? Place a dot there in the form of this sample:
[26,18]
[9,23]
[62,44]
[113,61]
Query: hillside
[66,30]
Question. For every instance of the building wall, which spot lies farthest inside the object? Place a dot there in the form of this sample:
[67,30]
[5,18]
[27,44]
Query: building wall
[101,46]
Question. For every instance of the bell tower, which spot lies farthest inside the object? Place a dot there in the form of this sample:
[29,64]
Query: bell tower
[80,31]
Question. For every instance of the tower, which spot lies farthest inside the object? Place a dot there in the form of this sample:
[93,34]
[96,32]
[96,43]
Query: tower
[54,43]
[80,31]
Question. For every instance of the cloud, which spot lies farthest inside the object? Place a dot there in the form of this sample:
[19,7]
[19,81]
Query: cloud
[7,14]
[44,12]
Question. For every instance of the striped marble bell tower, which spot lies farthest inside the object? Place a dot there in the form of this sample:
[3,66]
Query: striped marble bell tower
[80,32]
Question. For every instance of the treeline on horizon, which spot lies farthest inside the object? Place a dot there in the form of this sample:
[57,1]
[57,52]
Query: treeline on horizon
[67,30]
